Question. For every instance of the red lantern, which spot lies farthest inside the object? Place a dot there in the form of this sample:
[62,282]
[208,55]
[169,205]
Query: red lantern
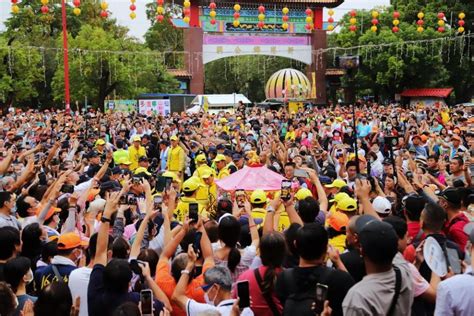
[308,27]
[213,21]
[159,18]
[236,15]
[285,18]
[461,22]
[330,20]
[375,21]
[160,2]
[308,11]
[187,11]
[133,7]
[44,9]
[440,15]
[353,13]
[14,1]
[260,24]
[396,15]
[353,28]
[76,3]
[261,9]
[395,29]
[420,22]
[441,29]
[104,14]
[212,6]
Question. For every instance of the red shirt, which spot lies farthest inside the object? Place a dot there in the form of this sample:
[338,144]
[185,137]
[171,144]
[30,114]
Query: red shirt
[454,230]
[413,230]
[259,304]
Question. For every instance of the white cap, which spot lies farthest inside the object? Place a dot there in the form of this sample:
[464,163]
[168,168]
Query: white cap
[382,205]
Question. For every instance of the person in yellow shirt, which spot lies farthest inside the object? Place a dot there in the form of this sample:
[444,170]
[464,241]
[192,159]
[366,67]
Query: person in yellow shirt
[135,152]
[338,197]
[207,193]
[176,157]
[291,134]
[222,127]
[124,163]
[337,225]
[258,201]
[120,153]
[335,186]
[190,188]
[201,162]
[221,164]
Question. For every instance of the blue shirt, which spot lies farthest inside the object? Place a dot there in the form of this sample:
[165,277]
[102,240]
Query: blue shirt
[44,276]
[455,296]
[102,302]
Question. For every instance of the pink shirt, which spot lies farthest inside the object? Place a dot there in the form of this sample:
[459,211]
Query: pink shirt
[259,304]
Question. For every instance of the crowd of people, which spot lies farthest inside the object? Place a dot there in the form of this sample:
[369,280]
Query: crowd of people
[122,214]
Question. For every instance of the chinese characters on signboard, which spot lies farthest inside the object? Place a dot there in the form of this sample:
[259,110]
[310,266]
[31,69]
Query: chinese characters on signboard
[154,107]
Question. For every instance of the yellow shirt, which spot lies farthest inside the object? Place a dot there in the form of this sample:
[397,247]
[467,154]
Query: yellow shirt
[224,172]
[283,221]
[182,209]
[120,154]
[176,159]
[134,154]
[259,213]
[338,242]
[290,135]
[207,194]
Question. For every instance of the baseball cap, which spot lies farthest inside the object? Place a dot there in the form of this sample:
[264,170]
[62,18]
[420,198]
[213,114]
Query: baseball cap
[258,196]
[228,153]
[70,241]
[416,136]
[325,179]
[387,161]
[100,142]
[337,183]
[174,137]
[451,195]
[110,185]
[116,170]
[379,240]
[236,157]
[93,154]
[200,158]
[206,173]
[339,196]
[51,212]
[220,147]
[143,158]
[413,203]
[347,204]
[469,230]
[192,184]
[124,161]
[303,193]
[382,205]
[219,157]
[136,139]
[362,220]
[338,221]
[142,170]
[171,174]
[223,120]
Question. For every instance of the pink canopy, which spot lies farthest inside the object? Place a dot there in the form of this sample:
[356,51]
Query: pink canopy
[251,178]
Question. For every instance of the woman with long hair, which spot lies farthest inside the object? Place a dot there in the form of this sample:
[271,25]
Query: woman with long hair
[229,255]
[262,280]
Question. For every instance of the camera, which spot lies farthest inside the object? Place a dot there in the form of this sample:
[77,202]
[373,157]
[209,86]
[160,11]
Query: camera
[128,200]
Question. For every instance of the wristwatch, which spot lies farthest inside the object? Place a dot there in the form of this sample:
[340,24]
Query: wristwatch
[270,209]
[185,272]
[104,219]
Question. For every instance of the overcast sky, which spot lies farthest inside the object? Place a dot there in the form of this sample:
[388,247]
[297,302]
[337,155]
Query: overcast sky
[139,26]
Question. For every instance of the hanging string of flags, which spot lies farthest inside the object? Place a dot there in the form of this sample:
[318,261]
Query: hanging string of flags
[352,26]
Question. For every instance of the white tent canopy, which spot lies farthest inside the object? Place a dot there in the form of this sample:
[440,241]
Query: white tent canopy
[220,102]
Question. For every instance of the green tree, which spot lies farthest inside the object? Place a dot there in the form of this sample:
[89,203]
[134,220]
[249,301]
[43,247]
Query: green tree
[245,74]
[399,65]
[112,65]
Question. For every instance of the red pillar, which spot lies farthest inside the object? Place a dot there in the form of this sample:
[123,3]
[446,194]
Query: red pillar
[65,58]
[194,18]
[318,18]
[193,45]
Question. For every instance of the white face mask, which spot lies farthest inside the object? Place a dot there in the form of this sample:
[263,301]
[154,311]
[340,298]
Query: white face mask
[208,300]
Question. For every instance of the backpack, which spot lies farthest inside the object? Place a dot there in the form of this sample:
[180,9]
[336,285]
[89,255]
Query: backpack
[299,303]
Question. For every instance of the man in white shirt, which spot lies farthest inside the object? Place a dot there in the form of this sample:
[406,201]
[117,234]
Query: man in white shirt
[79,278]
[455,296]
[217,290]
